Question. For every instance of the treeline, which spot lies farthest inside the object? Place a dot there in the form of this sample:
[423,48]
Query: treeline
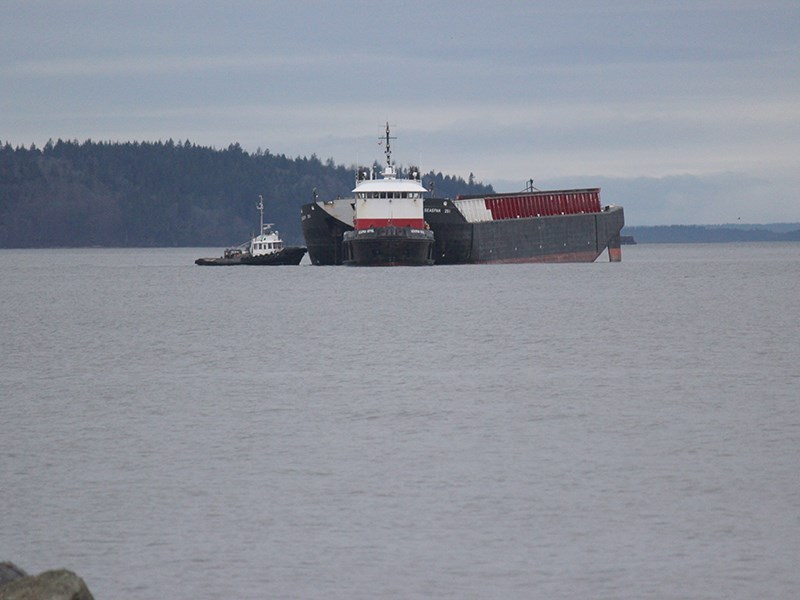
[701,234]
[156,194]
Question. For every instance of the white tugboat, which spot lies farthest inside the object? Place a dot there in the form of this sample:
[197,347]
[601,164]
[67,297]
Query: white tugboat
[264,249]
[389,221]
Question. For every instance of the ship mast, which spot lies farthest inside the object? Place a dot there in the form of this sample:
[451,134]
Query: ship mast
[388,150]
[260,207]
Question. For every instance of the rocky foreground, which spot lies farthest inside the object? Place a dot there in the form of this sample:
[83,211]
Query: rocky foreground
[16,584]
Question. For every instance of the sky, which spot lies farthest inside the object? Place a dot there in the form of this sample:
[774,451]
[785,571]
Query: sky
[684,112]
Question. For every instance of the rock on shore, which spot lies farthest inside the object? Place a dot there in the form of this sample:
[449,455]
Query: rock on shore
[61,584]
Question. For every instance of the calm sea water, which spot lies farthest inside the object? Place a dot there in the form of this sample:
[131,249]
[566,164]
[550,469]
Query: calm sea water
[606,430]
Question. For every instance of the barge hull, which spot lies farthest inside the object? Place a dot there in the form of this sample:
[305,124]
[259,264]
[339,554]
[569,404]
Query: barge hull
[565,238]
[559,238]
[324,230]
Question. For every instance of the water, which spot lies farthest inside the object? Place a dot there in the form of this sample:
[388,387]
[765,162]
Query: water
[607,430]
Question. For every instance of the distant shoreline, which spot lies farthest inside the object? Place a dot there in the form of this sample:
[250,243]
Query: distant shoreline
[694,234]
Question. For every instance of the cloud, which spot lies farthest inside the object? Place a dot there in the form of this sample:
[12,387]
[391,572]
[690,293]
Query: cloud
[506,90]
[159,64]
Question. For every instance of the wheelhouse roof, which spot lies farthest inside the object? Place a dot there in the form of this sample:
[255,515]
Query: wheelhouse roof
[389,185]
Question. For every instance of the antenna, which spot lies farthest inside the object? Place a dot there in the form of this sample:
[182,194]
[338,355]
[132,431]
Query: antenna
[260,207]
[388,150]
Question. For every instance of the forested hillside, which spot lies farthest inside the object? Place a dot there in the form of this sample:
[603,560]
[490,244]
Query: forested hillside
[705,234]
[164,193]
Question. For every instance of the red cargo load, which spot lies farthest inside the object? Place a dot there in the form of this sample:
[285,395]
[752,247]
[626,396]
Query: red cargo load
[533,204]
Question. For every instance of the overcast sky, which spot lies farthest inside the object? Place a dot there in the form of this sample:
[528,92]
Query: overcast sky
[683,112]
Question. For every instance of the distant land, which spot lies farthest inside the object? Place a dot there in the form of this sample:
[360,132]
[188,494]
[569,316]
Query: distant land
[163,194]
[699,234]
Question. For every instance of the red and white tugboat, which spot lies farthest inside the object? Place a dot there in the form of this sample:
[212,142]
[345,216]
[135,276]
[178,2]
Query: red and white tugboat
[389,221]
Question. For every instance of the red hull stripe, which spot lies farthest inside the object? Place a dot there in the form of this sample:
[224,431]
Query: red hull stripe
[370,223]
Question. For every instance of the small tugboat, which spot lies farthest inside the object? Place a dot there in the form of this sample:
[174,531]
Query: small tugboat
[265,249]
[389,220]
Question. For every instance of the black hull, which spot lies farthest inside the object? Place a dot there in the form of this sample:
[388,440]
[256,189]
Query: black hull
[323,234]
[288,256]
[560,238]
[388,247]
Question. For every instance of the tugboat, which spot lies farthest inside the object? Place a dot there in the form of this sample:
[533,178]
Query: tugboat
[264,249]
[389,220]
